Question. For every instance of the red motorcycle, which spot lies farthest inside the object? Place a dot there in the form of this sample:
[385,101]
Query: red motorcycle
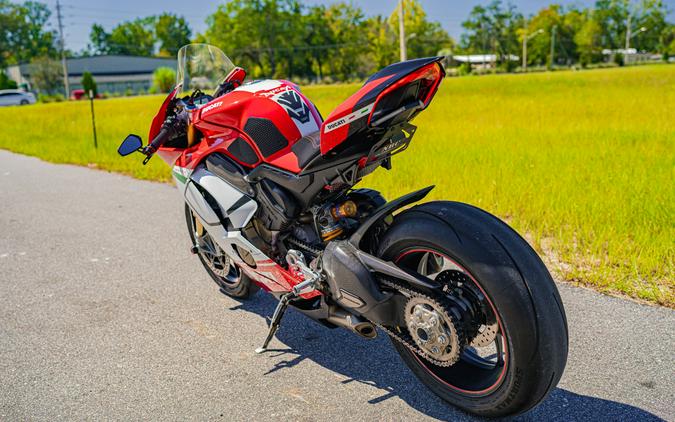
[270,203]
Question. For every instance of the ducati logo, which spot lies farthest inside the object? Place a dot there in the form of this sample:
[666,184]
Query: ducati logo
[212,106]
[295,107]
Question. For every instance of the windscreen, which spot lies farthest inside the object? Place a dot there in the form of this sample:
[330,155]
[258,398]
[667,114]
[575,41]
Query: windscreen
[203,67]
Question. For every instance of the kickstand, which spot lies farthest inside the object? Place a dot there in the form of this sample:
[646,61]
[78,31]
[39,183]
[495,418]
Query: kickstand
[276,320]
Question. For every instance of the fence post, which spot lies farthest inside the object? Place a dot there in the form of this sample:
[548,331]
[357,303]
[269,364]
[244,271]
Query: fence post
[93,118]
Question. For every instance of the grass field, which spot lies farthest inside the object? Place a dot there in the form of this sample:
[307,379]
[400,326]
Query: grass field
[583,162]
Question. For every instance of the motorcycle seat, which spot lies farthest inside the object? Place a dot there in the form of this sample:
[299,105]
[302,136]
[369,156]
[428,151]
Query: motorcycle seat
[307,148]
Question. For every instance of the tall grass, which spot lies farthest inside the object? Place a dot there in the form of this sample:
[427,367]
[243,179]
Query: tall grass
[584,162]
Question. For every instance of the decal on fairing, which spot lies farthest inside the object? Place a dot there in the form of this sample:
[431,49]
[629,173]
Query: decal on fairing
[297,110]
[287,98]
[295,107]
[212,106]
[358,114]
[181,174]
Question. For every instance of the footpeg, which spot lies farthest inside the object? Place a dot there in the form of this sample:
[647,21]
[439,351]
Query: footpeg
[296,261]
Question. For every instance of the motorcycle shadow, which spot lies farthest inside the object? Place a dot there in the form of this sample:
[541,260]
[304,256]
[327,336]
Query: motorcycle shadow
[375,363]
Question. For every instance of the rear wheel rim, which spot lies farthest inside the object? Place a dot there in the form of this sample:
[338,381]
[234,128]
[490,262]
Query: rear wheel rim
[480,370]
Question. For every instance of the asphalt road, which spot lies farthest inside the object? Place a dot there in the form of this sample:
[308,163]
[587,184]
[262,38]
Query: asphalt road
[104,314]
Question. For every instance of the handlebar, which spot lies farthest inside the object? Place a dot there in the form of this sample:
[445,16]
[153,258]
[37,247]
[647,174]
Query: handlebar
[171,127]
[161,138]
[156,143]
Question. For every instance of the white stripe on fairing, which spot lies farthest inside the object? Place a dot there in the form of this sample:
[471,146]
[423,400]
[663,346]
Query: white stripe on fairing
[257,86]
[364,112]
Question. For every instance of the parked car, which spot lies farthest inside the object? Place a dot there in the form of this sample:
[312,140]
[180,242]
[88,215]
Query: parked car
[10,97]
[79,94]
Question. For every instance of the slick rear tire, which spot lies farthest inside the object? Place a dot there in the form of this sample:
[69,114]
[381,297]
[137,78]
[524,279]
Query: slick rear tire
[518,287]
[237,284]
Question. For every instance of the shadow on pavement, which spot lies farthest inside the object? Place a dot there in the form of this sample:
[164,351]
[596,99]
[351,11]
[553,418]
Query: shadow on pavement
[376,363]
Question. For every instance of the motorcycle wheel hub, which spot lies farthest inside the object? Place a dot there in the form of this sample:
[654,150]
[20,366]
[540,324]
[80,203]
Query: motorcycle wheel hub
[432,329]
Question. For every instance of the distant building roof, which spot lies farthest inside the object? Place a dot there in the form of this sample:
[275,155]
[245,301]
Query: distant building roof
[111,65]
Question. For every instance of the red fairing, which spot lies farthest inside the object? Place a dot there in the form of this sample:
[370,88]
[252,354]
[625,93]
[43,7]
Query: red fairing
[259,122]
[332,138]
[237,76]
[356,112]
[158,120]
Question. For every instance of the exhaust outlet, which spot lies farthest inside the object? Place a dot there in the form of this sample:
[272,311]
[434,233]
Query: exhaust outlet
[352,322]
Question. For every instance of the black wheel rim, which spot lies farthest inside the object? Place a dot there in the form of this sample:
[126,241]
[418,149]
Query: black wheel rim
[480,370]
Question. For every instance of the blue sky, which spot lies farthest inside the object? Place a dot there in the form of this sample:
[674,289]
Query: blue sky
[79,15]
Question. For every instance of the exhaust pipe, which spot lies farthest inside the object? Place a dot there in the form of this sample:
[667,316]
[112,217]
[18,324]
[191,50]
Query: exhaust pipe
[354,323]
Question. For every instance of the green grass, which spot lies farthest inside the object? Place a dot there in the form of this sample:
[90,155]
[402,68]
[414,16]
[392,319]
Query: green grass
[583,162]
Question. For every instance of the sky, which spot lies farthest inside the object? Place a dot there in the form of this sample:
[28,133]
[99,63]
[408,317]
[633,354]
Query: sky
[80,15]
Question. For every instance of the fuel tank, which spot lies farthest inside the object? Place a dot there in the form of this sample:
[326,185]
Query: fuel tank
[259,122]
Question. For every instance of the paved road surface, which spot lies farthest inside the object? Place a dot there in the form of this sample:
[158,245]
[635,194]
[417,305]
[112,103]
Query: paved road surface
[105,316]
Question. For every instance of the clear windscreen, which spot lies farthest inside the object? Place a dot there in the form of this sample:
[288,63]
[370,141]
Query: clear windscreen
[203,67]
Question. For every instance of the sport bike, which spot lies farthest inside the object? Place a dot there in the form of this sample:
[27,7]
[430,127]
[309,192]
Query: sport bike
[271,203]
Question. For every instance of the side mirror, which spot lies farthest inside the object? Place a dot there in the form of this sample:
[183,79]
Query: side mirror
[130,144]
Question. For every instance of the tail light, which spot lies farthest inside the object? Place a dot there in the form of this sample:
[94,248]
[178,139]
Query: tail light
[412,93]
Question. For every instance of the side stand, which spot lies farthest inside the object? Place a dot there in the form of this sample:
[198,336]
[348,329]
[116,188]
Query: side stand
[276,320]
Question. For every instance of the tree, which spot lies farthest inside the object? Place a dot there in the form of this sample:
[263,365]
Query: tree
[46,75]
[260,34]
[667,42]
[347,24]
[163,79]
[613,17]
[88,83]
[589,40]
[424,38]
[318,33]
[172,32]
[134,38]
[24,32]
[99,40]
[5,82]
[493,29]
[382,41]
[566,24]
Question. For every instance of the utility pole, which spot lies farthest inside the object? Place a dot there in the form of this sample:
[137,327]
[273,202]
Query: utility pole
[66,86]
[401,32]
[553,33]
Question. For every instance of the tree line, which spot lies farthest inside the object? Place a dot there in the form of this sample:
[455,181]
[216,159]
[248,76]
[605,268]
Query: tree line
[287,38]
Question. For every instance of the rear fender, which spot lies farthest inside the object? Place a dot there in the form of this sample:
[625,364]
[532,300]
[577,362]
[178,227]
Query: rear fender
[385,210]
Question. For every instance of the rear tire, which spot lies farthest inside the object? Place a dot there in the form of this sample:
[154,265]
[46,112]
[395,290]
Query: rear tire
[235,283]
[518,287]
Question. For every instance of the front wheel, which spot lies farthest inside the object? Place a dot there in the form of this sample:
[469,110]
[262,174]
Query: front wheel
[513,351]
[231,280]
